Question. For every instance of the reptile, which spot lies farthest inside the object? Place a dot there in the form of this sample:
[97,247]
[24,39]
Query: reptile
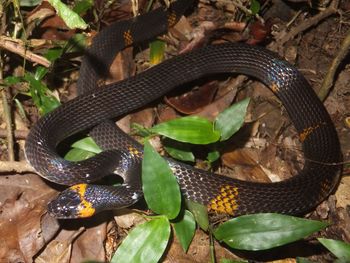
[97,104]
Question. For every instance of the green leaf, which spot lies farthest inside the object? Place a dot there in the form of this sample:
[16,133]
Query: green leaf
[339,248]
[179,151]
[77,43]
[75,155]
[231,120]
[72,19]
[157,49]
[200,213]
[192,129]
[82,6]
[40,72]
[264,231]
[41,95]
[48,103]
[185,229]
[145,243]
[213,156]
[254,6]
[87,144]
[20,108]
[140,130]
[52,55]
[160,187]
[12,80]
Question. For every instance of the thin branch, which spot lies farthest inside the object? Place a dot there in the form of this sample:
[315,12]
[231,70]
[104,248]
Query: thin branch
[17,46]
[19,134]
[6,111]
[332,9]
[328,81]
[18,167]
[8,121]
[238,4]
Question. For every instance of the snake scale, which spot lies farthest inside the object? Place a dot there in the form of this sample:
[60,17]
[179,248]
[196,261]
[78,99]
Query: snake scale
[95,106]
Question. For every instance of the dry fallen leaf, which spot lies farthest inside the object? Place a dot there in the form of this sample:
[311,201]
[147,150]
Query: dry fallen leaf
[23,202]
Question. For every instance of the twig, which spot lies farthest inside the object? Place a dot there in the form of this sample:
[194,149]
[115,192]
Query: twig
[247,11]
[18,167]
[8,120]
[19,134]
[6,111]
[18,46]
[332,9]
[328,81]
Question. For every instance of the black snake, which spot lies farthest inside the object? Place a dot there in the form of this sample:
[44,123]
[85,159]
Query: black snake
[95,106]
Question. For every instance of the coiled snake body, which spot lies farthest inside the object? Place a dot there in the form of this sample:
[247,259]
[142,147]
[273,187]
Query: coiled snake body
[94,107]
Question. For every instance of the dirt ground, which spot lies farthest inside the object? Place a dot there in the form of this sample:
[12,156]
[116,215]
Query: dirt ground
[308,34]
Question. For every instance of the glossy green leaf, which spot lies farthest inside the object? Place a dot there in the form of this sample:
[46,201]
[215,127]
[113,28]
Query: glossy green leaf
[145,243]
[185,229]
[264,231]
[72,19]
[178,151]
[75,155]
[339,248]
[200,213]
[180,154]
[157,49]
[87,144]
[160,187]
[192,129]
[231,120]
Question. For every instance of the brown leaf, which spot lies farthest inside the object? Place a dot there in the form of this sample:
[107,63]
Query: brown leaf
[122,67]
[245,162]
[199,250]
[23,202]
[193,101]
[259,32]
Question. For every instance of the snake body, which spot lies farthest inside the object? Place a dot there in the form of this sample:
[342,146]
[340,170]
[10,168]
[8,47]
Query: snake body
[94,107]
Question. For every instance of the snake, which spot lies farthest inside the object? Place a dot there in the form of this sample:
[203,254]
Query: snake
[98,104]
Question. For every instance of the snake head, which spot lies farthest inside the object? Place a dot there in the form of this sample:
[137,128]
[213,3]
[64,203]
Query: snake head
[71,203]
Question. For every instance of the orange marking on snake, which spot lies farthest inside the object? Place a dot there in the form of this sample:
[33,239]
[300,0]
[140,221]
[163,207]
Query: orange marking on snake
[172,19]
[275,88]
[128,39]
[134,151]
[85,208]
[226,201]
[307,131]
